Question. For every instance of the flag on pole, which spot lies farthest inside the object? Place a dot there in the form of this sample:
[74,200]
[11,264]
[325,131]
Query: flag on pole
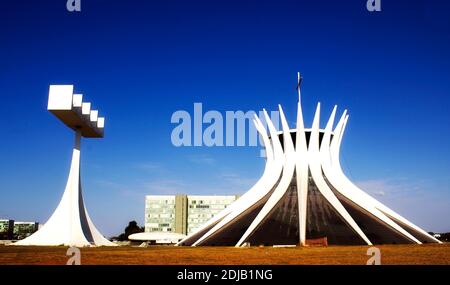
[299,76]
[299,80]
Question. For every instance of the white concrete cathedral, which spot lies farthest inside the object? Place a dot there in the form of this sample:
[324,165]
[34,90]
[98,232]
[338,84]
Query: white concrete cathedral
[303,195]
[70,224]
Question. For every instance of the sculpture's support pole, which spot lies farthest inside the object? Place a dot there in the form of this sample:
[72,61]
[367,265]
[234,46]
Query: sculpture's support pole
[65,226]
[70,224]
[80,233]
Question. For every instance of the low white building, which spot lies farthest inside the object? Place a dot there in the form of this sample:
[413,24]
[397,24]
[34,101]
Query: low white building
[157,237]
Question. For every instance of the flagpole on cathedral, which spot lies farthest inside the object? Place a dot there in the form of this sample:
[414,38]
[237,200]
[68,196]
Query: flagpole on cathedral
[299,81]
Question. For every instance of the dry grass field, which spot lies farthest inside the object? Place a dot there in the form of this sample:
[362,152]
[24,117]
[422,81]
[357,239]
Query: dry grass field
[169,255]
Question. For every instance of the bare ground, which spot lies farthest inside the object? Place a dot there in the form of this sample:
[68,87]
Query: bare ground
[169,255]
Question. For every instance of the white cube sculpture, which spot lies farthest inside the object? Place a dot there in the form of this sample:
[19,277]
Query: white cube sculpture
[70,224]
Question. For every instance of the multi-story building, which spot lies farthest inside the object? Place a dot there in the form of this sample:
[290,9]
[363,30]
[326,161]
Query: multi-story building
[182,213]
[160,213]
[24,229]
[202,208]
[14,230]
[6,229]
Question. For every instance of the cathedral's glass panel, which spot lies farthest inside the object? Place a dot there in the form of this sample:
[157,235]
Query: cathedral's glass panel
[232,232]
[323,221]
[376,230]
[280,227]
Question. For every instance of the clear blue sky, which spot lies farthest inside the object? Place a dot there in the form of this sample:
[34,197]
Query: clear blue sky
[139,61]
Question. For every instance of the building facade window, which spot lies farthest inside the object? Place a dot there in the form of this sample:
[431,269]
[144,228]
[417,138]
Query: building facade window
[161,212]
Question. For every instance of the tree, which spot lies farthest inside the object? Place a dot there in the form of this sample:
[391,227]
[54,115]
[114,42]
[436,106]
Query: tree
[445,237]
[132,228]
